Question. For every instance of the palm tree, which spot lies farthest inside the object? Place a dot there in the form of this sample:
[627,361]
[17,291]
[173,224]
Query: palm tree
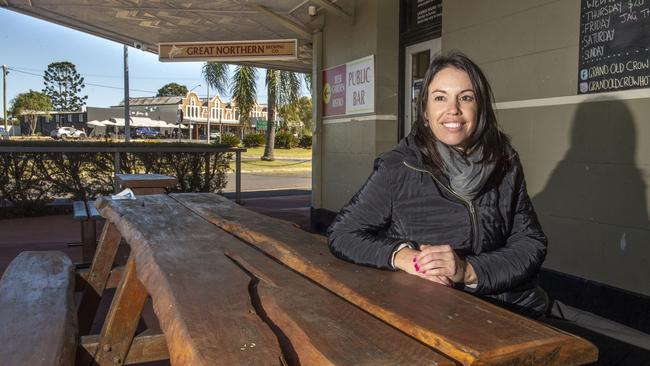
[244,91]
[216,75]
[282,89]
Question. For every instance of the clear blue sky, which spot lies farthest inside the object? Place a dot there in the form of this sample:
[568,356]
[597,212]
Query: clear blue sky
[28,45]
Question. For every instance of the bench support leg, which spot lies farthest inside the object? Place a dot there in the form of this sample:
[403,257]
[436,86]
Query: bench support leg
[98,276]
[144,348]
[89,239]
[122,319]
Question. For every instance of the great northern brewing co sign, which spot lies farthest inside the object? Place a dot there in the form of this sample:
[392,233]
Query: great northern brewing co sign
[349,88]
[281,49]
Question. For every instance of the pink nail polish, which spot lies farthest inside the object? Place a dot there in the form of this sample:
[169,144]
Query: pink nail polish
[424,272]
[414,260]
[417,268]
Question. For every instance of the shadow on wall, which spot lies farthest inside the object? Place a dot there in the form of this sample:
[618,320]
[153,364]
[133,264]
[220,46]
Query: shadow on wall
[593,207]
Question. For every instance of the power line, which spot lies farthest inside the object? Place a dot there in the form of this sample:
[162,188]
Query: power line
[93,84]
[113,76]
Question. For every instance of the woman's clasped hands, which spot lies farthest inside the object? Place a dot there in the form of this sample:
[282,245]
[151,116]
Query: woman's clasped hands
[436,263]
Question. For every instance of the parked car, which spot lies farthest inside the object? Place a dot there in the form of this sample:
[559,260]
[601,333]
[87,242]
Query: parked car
[3,134]
[67,133]
[145,133]
[215,135]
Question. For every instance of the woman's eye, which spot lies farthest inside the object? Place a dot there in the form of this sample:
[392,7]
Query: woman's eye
[467,98]
[439,98]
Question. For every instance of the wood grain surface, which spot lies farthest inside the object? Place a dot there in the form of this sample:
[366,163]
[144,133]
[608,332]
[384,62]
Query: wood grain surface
[462,326]
[310,325]
[38,322]
[200,297]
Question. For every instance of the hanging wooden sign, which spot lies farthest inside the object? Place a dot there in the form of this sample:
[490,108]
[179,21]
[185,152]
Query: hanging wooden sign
[278,50]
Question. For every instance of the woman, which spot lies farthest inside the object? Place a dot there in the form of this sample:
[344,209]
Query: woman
[449,203]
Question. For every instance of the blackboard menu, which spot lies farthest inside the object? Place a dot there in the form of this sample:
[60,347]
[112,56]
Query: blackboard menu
[422,13]
[614,45]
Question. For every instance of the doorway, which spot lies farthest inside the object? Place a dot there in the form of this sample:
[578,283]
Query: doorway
[417,58]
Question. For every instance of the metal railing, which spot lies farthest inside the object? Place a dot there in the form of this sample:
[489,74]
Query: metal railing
[120,148]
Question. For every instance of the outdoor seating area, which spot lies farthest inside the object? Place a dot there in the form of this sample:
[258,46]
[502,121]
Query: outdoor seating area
[204,261]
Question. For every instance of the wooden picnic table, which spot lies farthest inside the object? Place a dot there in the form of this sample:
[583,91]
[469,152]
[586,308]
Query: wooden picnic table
[230,286]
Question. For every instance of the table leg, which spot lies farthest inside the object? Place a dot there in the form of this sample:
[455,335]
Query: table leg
[89,239]
[98,276]
[122,319]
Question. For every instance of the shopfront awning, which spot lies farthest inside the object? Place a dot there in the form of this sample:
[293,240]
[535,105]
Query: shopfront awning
[146,23]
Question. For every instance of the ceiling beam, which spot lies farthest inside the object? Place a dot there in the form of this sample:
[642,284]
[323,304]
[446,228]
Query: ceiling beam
[335,8]
[302,31]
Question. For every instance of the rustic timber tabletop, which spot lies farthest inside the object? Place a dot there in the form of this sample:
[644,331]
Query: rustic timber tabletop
[230,286]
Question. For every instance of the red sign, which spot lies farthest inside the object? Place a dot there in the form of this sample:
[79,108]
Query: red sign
[334,91]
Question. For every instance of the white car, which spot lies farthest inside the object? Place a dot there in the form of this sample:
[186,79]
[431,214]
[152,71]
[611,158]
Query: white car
[3,134]
[215,135]
[67,133]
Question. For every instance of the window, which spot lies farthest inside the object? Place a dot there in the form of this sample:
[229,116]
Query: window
[81,117]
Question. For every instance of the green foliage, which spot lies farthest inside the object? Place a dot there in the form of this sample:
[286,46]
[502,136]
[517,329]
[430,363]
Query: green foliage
[304,108]
[28,181]
[229,139]
[172,90]
[285,140]
[244,90]
[253,140]
[63,85]
[305,142]
[30,104]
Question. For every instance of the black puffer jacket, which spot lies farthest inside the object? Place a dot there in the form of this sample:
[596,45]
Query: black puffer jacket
[498,232]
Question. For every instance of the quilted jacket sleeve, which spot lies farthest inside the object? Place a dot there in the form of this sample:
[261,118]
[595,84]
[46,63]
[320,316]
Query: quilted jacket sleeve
[358,232]
[520,259]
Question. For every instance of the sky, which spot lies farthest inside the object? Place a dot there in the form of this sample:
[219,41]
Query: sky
[28,45]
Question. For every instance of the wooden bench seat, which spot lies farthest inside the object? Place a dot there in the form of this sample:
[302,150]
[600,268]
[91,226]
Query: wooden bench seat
[38,321]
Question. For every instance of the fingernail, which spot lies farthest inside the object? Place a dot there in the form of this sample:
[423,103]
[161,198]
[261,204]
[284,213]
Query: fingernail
[424,272]
[414,260]
[417,268]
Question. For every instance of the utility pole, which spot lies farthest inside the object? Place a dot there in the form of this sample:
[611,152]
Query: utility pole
[209,110]
[4,95]
[127,127]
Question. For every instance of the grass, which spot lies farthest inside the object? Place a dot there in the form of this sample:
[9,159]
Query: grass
[257,152]
[277,166]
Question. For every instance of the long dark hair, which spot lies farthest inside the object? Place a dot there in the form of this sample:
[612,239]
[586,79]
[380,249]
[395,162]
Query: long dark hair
[487,136]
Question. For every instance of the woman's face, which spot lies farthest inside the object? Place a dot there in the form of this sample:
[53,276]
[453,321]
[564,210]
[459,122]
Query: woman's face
[451,107]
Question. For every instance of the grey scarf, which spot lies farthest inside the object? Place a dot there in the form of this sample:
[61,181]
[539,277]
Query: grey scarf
[466,175]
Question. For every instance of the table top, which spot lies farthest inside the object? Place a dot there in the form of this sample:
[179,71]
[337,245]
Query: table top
[230,286]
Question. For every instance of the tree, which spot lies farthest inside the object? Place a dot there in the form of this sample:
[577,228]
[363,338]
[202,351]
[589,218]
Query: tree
[282,89]
[30,104]
[304,110]
[63,85]
[172,90]
[216,75]
[244,91]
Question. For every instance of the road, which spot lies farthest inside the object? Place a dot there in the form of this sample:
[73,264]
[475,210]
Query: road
[274,181]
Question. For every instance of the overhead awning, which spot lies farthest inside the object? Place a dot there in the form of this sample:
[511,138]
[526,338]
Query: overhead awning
[146,23]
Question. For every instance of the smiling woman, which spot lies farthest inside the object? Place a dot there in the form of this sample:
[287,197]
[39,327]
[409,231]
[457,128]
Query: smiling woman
[449,203]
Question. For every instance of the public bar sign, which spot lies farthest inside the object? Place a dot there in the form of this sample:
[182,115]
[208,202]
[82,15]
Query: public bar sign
[349,88]
[269,50]
[614,45]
